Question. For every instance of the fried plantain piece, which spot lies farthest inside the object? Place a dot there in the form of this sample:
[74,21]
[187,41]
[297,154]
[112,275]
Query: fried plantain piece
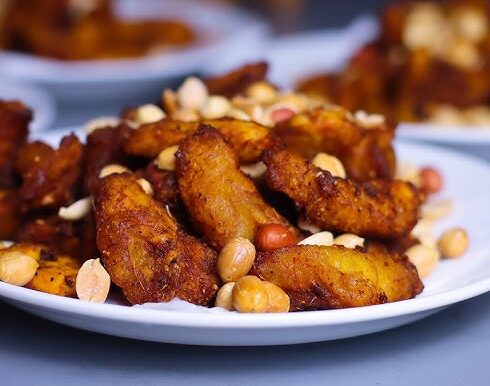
[53,232]
[321,277]
[247,138]
[220,199]
[56,274]
[366,153]
[52,180]
[236,81]
[14,121]
[30,154]
[146,254]
[104,146]
[379,208]
[9,213]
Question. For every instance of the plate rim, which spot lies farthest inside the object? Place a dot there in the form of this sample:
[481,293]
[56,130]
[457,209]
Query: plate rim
[232,320]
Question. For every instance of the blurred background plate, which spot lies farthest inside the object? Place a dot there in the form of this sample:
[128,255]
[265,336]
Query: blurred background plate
[446,134]
[38,101]
[218,28]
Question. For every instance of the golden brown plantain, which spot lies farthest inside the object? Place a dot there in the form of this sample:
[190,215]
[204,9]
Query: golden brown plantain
[321,277]
[248,139]
[56,274]
[146,254]
[221,200]
[51,180]
[366,153]
[379,208]
[9,213]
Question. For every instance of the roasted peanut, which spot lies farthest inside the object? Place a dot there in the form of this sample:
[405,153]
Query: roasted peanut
[430,180]
[453,243]
[278,113]
[169,101]
[146,186]
[17,268]
[238,114]
[261,92]
[307,226]
[93,282]
[329,163]
[224,298]
[255,170]
[250,295]
[112,169]
[166,158]
[436,210]
[349,240]
[192,94]
[148,113]
[235,259]
[215,107]
[368,121]
[278,299]
[185,115]
[272,236]
[424,257]
[99,123]
[320,238]
[76,211]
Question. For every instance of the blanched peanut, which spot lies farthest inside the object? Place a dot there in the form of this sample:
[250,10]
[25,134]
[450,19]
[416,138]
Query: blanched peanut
[238,114]
[436,210]
[425,258]
[250,295]
[185,115]
[148,113]
[255,170]
[215,107]
[307,226]
[112,169]
[261,92]
[453,243]
[100,123]
[272,236]
[423,232]
[329,163]
[408,172]
[145,184]
[235,259]
[430,180]
[368,121]
[349,240]
[224,298]
[320,238]
[166,158]
[93,282]
[76,211]
[278,299]
[17,268]
[192,94]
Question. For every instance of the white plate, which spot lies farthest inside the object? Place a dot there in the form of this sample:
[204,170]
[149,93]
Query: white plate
[467,182]
[39,102]
[218,28]
[299,56]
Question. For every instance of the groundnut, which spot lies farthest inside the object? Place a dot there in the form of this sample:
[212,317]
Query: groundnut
[436,210]
[424,257]
[215,107]
[224,298]
[453,243]
[280,113]
[349,240]
[320,238]
[368,121]
[148,113]
[93,282]
[17,268]
[235,259]
[76,211]
[169,101]
[238,114]
[192,94]
[278,299]
[166,158]
[99,123]
[261,92]
[430,180]
[255,170]
[112,169]
[307,226]
[329,163]
[272,236]
[146,186]
[185,115]
[250,295]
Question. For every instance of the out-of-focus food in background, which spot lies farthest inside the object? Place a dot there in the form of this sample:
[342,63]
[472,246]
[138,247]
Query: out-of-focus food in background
[84,29]
[430,62]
